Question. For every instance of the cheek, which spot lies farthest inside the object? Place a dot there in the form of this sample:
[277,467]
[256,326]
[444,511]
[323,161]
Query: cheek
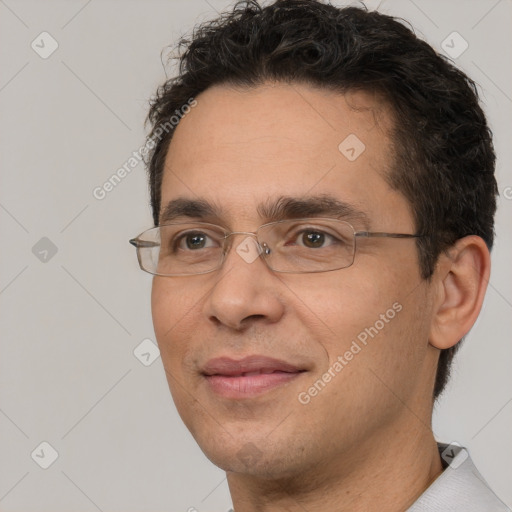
[171,307]
[373,317]
[172,303]
[343,302]
[161,306]
[375,327]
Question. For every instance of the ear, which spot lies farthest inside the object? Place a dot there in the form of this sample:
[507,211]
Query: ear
[461,278]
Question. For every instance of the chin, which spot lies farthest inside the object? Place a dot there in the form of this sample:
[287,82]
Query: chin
[257,458]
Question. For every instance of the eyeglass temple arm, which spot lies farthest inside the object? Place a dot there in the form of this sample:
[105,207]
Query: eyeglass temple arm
[143,243]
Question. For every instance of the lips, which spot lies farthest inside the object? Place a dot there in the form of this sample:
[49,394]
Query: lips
[248,377]
[251,365]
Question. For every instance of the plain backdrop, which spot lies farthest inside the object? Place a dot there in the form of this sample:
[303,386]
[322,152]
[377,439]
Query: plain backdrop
[74,305]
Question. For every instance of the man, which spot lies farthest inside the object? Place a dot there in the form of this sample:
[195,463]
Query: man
[323,218]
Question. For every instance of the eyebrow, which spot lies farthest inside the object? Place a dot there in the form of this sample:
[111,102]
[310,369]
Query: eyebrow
[284,207]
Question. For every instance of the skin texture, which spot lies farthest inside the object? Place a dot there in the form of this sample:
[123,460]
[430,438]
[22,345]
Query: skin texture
[364,442]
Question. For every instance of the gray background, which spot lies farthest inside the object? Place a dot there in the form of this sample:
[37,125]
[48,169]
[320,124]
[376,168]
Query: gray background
[70,321]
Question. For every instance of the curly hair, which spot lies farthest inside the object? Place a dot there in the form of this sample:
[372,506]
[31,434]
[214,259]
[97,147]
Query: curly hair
[443,153]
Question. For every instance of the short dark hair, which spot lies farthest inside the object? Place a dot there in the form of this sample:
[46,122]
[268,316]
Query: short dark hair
[443,153]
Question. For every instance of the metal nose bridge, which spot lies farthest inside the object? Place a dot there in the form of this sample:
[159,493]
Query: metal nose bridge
[264,247]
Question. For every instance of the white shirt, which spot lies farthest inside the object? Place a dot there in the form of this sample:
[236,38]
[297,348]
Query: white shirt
[459,488]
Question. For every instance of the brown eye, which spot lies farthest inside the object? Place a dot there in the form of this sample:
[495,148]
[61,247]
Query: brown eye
[194,241]
[310,238]
[313,239]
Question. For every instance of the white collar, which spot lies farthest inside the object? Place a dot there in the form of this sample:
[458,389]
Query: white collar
[459,488]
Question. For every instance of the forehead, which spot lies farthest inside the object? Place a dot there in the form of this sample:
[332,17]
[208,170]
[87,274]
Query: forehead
[239,147]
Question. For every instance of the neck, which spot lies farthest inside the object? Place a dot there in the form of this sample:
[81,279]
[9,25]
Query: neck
[387,474]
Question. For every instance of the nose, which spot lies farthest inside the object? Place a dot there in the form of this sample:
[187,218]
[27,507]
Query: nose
[246,290]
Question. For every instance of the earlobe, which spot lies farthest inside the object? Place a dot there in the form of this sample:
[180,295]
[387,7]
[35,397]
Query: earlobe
[462,275]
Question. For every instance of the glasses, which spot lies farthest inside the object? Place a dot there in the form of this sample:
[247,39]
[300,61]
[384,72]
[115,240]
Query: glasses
[294,246]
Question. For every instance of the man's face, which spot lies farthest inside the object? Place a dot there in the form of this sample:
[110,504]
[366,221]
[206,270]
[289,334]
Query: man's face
[237,149]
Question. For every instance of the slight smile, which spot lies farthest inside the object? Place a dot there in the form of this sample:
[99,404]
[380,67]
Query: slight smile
[248,377]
